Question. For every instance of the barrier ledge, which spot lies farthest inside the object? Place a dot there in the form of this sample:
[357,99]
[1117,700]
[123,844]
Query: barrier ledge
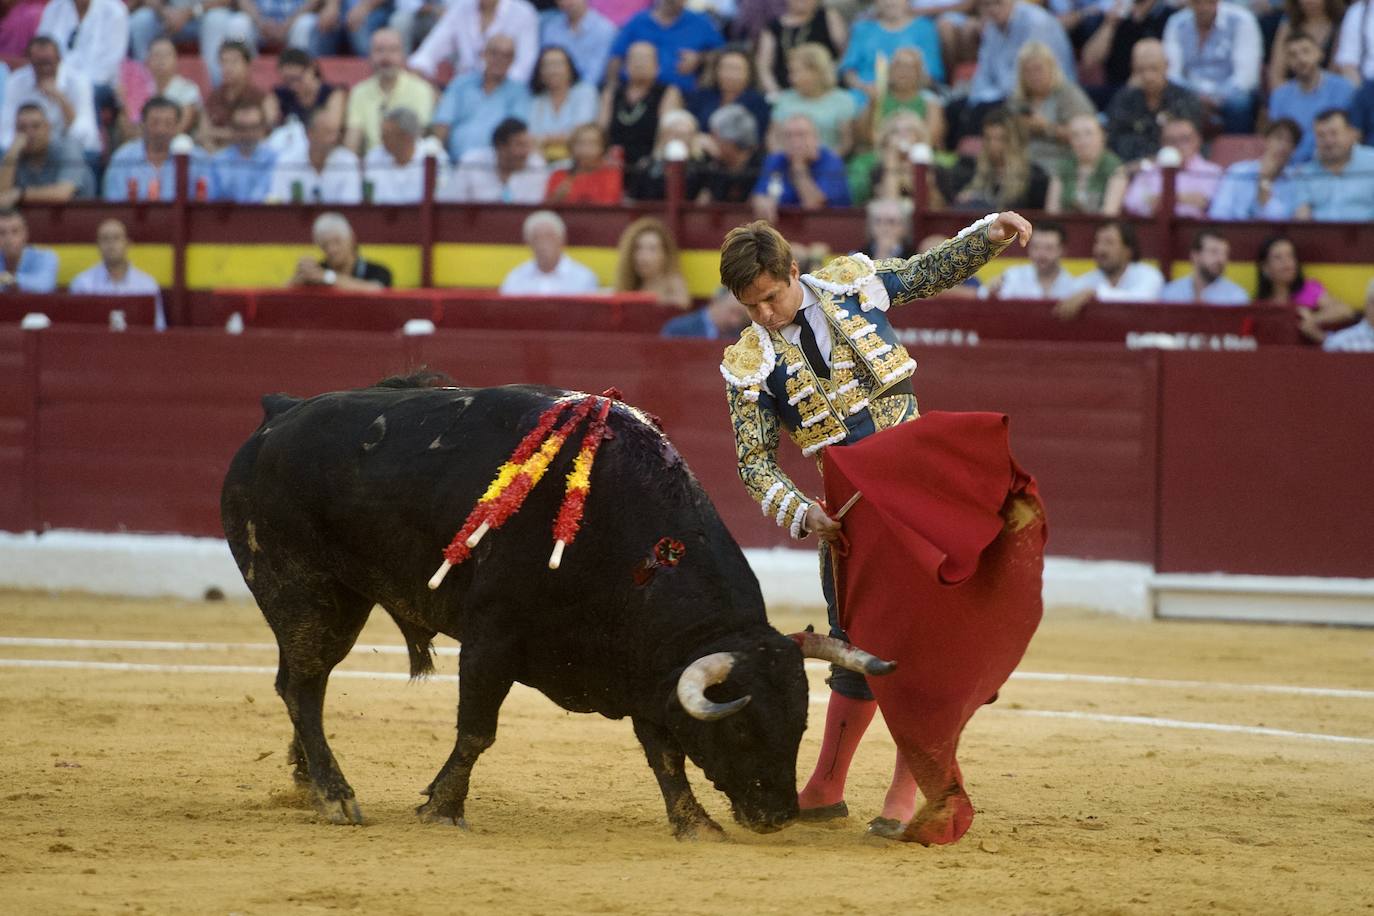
[1263,599]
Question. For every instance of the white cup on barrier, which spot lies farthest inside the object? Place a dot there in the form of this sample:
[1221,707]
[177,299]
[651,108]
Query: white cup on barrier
[418,327]
[35,321]
[234,325]
[118,320]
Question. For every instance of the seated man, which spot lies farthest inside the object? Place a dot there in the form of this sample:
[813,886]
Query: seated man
[394,170]
[96,36]
[1311,91]
[1262,188]
[1044,277]
[509,171]
[681,36]
[467,27]
[803,173]
[474,103]
[1136,112]
[1339,183]
[583,32]
[235,88]
[242,172]
[550,272]
[1215,49]
[1194,185]
[23,267]
[1007,26]
[144,169]
[39,168]
[1119,277]
[1358,338]
[324,171]
[1123,26]
[735,156]
[342,266]
[62,92]
[723,316]
[388,88]
[1211,252]
[209,22]
[114,275]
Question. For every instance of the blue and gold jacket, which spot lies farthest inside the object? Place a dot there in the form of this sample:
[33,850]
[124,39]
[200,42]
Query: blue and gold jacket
[770,384]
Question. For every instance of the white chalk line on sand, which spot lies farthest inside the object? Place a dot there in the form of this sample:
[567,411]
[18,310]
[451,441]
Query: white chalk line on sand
[816,698]
[42,642]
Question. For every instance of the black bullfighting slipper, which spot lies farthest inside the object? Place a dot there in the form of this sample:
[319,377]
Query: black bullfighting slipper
[825,812]
[889,828]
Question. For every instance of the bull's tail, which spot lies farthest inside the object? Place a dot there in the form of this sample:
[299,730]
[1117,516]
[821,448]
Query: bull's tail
[419,644]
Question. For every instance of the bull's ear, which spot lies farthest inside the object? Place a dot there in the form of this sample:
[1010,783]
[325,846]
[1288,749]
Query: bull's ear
[700,674]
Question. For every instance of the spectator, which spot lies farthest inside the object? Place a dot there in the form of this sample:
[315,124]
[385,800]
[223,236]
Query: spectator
[388,88]
[62,93]
[647,261]
[158,76]
[735,157]
[1093,181]
[1281,282]
[242,171]
[96,36]
[235,89]
[415,19]
[1196,181]
[114,275]
[1339,183]
[801,22]
[347,26]
[1044,277]
[1007,25]
[474,103]
[1355,46]
[631,111]
[22,266]
[561,101]
[647,180]
[1263,188]
[908,89]
[886,171]
[590,178]
[893,26]
[143,169]
[889,228]
[1358,338]
[729,81]
[211,22]
[1125,24]
[467,29]
[1362,112]
[815,95]
[1045,102]
[1136,112]
[41,169]
[803,173]
[1207,283]
[551,272]
[1317,19]
[680,36]
[1001,176]
[1215,49]
[509,171]
[1119,276]
[722,317]
[394,169]
[324,171]
[1311,90]
[280,24]
[342,267]
[18,24]
[584,33]
[302,91]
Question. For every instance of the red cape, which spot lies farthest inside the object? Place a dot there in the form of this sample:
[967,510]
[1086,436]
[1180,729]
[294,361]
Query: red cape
[942,575]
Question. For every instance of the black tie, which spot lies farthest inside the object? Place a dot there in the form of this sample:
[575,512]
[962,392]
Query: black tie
[809,345]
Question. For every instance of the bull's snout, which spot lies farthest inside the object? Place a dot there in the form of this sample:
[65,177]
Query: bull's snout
[770,820]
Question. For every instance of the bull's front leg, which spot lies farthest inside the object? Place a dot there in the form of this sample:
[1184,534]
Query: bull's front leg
[666,759]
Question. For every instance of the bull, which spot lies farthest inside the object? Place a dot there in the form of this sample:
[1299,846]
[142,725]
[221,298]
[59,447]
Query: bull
[344,501]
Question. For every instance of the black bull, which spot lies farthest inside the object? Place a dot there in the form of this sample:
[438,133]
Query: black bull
[345,501]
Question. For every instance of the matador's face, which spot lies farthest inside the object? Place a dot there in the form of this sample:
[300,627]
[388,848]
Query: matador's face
[773,302]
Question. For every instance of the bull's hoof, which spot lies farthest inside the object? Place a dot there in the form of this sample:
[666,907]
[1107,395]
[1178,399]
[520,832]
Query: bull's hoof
[706,829]
[429,813]
[343,811]
[888,828]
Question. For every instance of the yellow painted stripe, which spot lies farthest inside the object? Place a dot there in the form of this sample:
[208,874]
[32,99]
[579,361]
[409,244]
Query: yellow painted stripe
[259,266]
[154,260]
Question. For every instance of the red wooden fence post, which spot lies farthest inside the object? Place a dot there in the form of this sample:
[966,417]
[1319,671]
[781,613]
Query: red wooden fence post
[920,156]
[1168,198]
[675,158]
[181,160]
[427,217]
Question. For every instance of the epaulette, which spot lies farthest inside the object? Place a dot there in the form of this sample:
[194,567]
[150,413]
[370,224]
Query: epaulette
[748,361]
[853,275]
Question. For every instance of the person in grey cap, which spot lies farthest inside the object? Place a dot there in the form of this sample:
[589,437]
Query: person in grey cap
[735,156]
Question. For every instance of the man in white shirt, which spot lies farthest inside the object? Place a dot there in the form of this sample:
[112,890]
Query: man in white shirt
[323,172]
[550,272]
[1119,277]
[1216,50]
[1358,338]
[1207,283]
[61,91]
[1043,278]
[509,171]
[461,35]
[1355,47]
[95,32]
[394,169]
[114,275]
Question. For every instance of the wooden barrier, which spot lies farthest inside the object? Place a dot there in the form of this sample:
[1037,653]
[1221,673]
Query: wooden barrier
[66,308]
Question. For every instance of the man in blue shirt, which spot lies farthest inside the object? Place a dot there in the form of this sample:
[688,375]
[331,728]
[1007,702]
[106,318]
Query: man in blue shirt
[1261,188]
[1208,282]
[1007,25]
[681,36]
[584,33]
[723,316]
[22,268]
[242,172]
[803,174]
[473,104]
[1339,183]
[1311,90]
[144,169]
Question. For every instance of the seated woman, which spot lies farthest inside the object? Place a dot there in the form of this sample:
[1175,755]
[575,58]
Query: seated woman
[1093,181]
[647,178]
[1002,177]
[801,22]
[648,262]
[631,112]
[885,172]
[1281,282]
[893,26]
[590,178]
[559,102]
[729,81]
[908,89]
[1045,102]
[889,229]
[815,95]
[302,89]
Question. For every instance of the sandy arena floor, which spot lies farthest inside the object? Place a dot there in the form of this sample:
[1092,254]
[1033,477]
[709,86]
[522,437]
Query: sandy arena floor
[166,791]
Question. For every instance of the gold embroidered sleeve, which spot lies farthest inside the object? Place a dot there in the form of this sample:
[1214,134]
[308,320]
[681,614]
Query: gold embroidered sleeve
[942,267]
[756,428]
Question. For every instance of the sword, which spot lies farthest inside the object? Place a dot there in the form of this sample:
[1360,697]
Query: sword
[847,506]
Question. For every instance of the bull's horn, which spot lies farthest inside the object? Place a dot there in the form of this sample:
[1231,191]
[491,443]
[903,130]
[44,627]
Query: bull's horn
[700,674]
[839,652]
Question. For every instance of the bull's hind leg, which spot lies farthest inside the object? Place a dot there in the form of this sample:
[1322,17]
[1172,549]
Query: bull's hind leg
[666,759]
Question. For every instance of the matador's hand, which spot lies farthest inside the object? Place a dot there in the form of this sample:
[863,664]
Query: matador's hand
[1008,226]
[820,524]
